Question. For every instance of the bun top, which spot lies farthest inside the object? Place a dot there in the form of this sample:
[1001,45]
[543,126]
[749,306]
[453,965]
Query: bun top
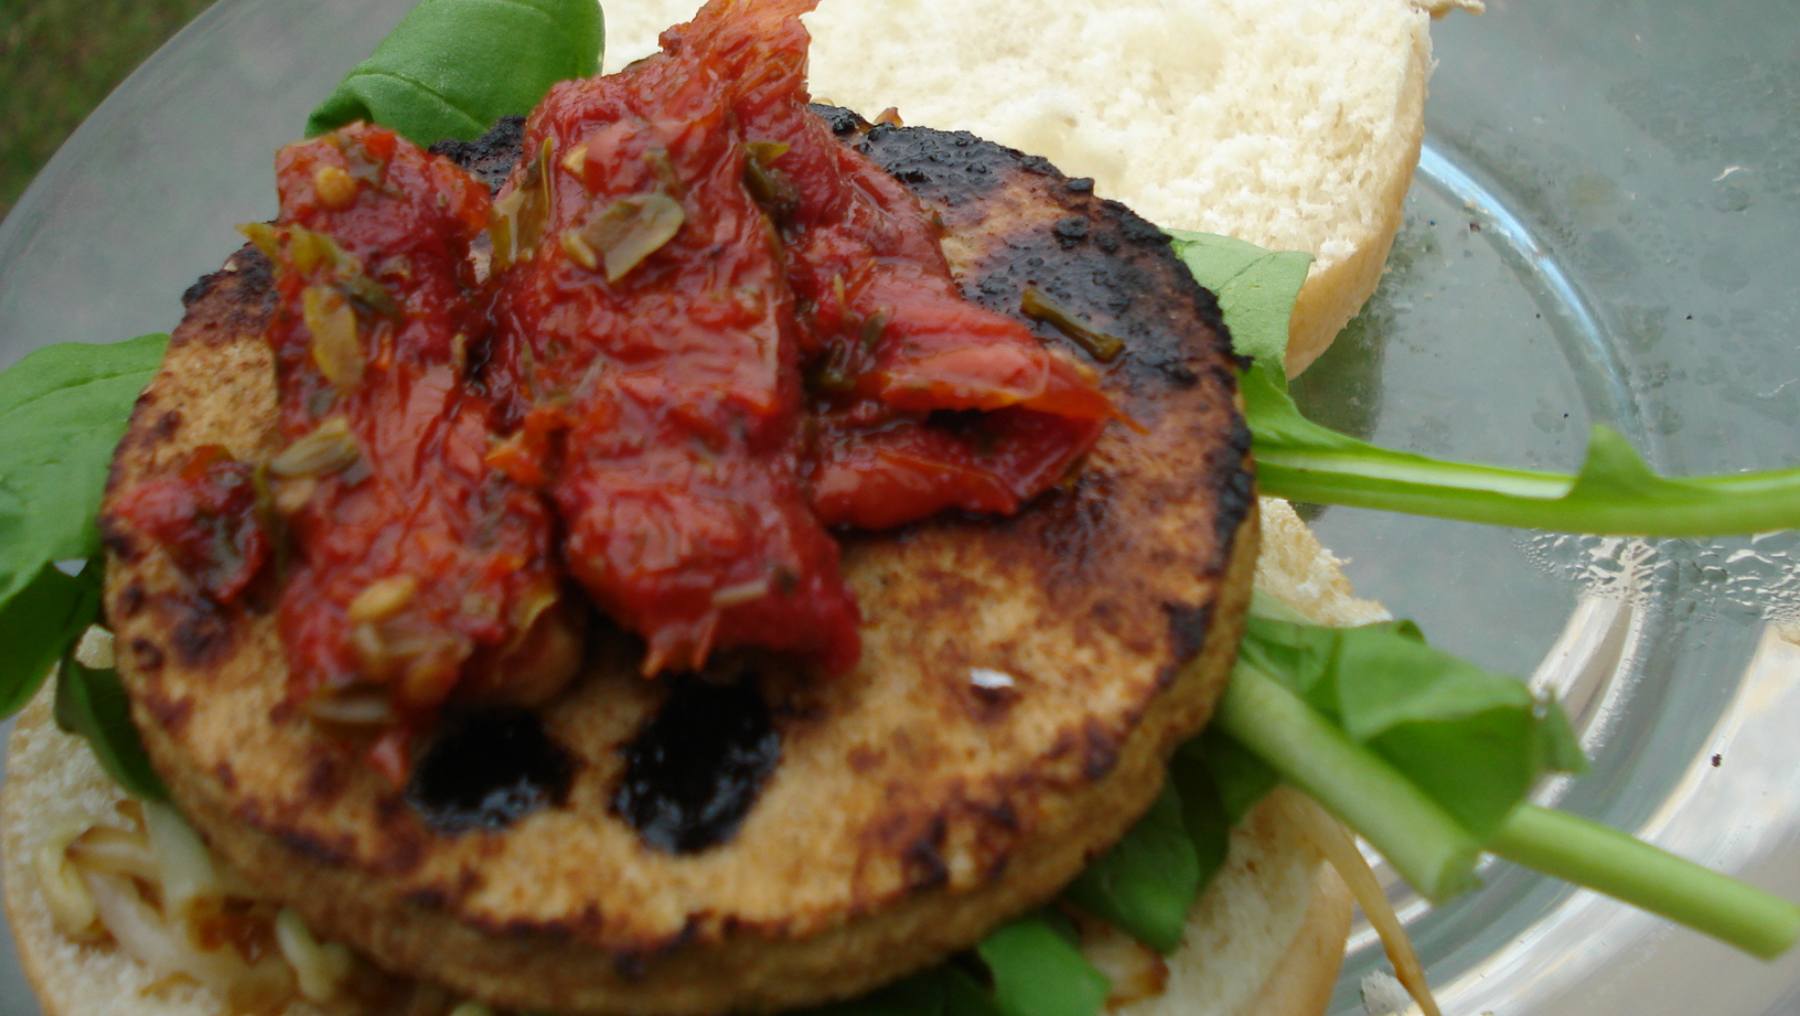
[1294,126]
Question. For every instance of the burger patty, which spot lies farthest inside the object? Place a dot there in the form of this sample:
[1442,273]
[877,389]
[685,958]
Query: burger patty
[757,837]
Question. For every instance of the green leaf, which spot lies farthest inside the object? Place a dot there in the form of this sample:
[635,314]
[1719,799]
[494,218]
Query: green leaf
[919,995]
[1425,844]
[37,627]
[1148,881]
[1238,777]
[1473,740]
[1615,493]
[1038,971]
[1204,816]
[944,990]
[963,997]
[1256,288]
[92,704]
[453,67]
[63,409]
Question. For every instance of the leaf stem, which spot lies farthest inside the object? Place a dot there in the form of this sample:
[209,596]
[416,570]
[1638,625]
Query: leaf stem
[1610,862]
[1759,502]
[1423,842]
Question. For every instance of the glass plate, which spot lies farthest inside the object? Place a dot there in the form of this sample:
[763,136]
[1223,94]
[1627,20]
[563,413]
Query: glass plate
[1599,231]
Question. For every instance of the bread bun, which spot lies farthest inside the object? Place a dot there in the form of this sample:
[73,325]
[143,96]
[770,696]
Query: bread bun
[1295,126]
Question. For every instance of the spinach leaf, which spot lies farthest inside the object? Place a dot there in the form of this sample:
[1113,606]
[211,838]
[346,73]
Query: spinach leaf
[918,995]
[1238,779]
[1038,971]
[1148,881]
[1033,963]
[1204,817]
[37,627]
[453,67]
[1473,740]
[62,409]
[92,704]
[1256,288]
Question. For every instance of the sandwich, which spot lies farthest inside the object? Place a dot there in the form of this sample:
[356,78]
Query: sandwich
[782,775]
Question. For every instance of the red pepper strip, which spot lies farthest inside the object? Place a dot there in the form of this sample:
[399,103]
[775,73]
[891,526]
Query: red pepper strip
[419,572]
[673,371]
[992,463]
[207,518]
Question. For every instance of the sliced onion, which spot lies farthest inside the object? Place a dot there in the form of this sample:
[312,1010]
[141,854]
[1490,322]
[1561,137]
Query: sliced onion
[182,859]
[321,969]
[143,934]
[1341,853]
[115,852]
[71,905]
[146,937]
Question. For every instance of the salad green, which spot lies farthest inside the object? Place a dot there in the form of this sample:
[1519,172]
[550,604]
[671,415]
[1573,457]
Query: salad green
[453,67]
[63,409]
[91,703]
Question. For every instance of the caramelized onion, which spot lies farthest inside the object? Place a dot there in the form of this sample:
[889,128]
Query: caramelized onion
[321,969]
[71,905]
[183,863]
[1340,851]
[115,852]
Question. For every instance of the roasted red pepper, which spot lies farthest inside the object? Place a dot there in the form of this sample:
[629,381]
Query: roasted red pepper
[888,336]
[711,332]
[419,572]
[207,516]
[652,318]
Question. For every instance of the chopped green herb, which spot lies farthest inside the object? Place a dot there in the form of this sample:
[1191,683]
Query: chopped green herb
[1099,345]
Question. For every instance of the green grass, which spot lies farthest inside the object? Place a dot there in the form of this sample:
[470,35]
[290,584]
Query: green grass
[58,59]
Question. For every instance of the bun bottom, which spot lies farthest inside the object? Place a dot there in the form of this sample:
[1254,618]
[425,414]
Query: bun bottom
[1266,937]
[52,785]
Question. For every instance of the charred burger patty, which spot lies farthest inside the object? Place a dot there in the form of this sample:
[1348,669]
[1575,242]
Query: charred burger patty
[755,837]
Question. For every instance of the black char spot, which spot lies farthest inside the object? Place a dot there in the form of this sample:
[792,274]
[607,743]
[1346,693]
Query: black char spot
[487,770]
[489,157]
[694,771]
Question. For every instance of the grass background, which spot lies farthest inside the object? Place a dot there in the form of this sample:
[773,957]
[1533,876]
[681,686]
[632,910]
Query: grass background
[58,59]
